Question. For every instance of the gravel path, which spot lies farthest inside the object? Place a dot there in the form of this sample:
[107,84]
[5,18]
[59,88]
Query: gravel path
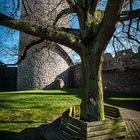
[130,114]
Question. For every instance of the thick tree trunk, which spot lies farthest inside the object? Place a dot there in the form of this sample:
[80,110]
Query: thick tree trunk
[92,107]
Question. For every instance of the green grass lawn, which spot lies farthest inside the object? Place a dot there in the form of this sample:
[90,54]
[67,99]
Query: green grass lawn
[124,100]
[26,109]
[23,109]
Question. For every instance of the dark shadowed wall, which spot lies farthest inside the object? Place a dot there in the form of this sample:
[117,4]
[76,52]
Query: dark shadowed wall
[8,78]
[113,79]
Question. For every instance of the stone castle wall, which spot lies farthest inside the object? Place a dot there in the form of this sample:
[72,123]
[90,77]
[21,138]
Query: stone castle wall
[41,70]
[113,79]
[127,80]
[44,62]
[122,60]
[124,79]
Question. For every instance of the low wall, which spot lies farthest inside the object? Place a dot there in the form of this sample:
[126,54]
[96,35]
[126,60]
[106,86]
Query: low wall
[126,81]
[8,78]
[113,80]
[74,76]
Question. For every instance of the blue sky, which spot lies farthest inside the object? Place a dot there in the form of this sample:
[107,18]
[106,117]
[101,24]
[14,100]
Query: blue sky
[9,39]
[9,43]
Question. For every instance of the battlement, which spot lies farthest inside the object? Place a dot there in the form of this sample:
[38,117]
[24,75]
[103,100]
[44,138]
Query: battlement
[123,59]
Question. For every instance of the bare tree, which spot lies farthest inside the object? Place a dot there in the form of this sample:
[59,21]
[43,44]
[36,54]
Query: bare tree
[96,28]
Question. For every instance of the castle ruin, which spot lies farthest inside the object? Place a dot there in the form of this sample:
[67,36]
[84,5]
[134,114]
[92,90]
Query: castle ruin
[120,73]
[115,78]
[47,61]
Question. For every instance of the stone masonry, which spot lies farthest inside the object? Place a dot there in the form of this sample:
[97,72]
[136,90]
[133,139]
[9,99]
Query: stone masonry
[44,62]
[47,63]
[38,75]
[116,77]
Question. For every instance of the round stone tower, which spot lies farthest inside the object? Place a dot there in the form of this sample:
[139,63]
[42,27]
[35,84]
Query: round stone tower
[47,61]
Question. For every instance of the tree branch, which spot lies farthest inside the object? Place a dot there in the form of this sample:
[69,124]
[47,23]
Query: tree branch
[76,7]
[118,41]
[75,32]
[130,37]
[127,15]
[92,4]
[62,13]
[23,56]
[108,23]
[72,4]
[65,54]
[48,32]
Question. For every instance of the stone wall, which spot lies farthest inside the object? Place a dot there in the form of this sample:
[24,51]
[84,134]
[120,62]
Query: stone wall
[39,71]
[8,78]
[122,81]
[74,76]
[122,60]
[44,62]
[113,79]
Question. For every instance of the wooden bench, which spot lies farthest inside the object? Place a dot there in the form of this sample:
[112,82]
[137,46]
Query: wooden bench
[111,112]
[113,127]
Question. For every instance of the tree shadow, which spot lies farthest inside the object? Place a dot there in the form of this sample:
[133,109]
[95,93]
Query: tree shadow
[36,133]
[64,92]
[124,100]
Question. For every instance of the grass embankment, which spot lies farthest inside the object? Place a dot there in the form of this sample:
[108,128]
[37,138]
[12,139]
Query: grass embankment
[124,100]
[26,109]
[23,109]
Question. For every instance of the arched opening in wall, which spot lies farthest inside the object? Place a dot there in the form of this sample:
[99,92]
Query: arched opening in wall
[70,56]
[75,71]
[75,57]
[63,65]
[65,53]
[70,76]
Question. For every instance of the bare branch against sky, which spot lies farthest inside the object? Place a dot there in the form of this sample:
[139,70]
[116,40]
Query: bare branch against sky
[126,35]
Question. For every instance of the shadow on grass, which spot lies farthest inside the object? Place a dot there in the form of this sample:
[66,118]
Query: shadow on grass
[62,92]
[124,100]
[29,133]
[20,108]
[42,93]
[17,121]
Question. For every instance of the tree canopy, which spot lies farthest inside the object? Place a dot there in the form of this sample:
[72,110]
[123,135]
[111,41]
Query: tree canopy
[98,22]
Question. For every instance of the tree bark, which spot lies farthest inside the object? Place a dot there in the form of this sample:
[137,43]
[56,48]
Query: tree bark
[92,107]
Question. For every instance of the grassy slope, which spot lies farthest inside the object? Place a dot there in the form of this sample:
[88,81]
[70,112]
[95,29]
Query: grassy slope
[22,109]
